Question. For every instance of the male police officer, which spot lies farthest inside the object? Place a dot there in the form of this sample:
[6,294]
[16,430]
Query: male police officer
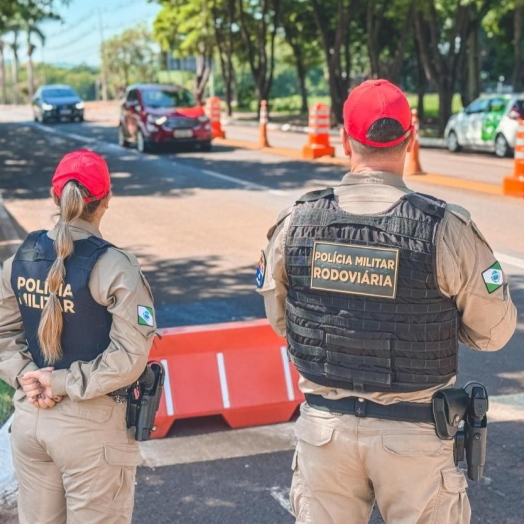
[374,286]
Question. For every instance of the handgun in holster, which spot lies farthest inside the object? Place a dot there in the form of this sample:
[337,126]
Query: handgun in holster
[144,400]
[460,414]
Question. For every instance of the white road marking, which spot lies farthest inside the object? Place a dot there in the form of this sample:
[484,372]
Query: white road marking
[214,174]
[223,380]
[287,374]
[167,388]
[508,259]
[281,495]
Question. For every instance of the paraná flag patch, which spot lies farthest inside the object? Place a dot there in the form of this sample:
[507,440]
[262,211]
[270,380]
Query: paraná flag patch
[493,277]
[145,316]
[261,271]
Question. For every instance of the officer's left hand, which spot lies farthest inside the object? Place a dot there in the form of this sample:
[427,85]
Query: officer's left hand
[42,395]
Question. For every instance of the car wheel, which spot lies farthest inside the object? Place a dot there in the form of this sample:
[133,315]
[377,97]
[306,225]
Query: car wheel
[502,148]
[453,143]
[141,143]
[122,142]
[206,146]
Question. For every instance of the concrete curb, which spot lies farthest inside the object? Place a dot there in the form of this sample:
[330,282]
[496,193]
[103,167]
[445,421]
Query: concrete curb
[8,485]
[439,143]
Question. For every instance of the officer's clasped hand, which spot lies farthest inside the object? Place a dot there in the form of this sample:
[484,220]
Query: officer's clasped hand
[37,387]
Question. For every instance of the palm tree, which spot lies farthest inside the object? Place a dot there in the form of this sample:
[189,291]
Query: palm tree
[14,45]
[32,29]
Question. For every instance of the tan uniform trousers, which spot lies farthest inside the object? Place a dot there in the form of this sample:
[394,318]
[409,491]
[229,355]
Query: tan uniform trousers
[342,464]
[75,463]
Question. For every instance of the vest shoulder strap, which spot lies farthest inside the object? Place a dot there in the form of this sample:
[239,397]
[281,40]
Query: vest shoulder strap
[28,245]
[428,204]
[312,196]
[283,215]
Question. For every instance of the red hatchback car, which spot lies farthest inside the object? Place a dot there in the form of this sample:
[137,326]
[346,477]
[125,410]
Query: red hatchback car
[155,114]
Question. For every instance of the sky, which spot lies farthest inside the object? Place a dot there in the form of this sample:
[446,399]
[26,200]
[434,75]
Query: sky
[77,39]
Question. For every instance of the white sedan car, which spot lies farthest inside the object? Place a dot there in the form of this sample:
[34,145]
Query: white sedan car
[489,123]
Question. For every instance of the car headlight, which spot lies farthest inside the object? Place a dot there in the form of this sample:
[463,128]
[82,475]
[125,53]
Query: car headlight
[47,107]
[152,119]
[203,118]
[80,105]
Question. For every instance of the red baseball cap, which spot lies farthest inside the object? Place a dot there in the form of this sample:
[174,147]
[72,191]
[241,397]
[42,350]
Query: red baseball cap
[371,101]
[88,169]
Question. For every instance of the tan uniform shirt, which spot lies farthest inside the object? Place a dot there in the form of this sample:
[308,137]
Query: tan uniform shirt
[488,320]
[117,283]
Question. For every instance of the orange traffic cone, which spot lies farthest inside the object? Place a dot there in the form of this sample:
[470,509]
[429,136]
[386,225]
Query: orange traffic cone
[263,141]
[213,113]
[514,185]
[413,166]
[318,139]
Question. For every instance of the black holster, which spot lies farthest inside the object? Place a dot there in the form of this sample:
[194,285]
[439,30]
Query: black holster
[144,401]
[461,415]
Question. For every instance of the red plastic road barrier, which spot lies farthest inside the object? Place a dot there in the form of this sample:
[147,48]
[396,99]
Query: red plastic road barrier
[413,166]
[212,110]
[514,185]
[239,370]
[318,139]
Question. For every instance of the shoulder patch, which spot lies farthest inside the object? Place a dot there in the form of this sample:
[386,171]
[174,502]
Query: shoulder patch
[261,271]
[145,316]
[493,277]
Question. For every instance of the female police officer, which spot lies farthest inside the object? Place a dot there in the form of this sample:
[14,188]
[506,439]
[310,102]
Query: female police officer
[72,301]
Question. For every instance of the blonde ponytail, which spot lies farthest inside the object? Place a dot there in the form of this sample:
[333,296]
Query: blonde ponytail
[72,206]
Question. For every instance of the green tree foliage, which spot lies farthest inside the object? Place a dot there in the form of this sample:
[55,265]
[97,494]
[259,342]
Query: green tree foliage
[128,58]
[187,28]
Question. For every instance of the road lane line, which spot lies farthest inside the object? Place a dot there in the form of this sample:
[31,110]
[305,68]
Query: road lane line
[508,259]
[281,495]
[214,174]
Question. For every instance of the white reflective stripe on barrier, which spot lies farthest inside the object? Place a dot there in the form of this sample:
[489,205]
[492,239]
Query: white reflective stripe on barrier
[519,154]
[519,142]
[287,374]
[318,131]
[322,112]
[223,380]
[167,389]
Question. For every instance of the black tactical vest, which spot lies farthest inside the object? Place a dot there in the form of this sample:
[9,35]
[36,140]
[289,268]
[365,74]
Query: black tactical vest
[86,323]
[364,311]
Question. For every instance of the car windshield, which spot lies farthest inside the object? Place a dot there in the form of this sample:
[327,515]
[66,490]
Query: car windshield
[58,93]
[168,98]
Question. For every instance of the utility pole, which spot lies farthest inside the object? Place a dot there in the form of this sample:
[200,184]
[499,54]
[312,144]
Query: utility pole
[102,52]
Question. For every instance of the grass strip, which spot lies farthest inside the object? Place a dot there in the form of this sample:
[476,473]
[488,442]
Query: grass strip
[6,406]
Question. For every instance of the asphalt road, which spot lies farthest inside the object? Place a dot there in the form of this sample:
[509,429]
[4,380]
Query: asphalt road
[197,223]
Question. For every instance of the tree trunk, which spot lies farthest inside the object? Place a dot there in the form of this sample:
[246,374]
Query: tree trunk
[30,72]
[473,58]
[203,70]
[15,75]
[3,90]
[372,29]
[421,84]
[333,42]
[445,94]
[517,67]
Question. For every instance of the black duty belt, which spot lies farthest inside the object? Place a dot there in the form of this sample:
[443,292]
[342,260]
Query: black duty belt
[402,411]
